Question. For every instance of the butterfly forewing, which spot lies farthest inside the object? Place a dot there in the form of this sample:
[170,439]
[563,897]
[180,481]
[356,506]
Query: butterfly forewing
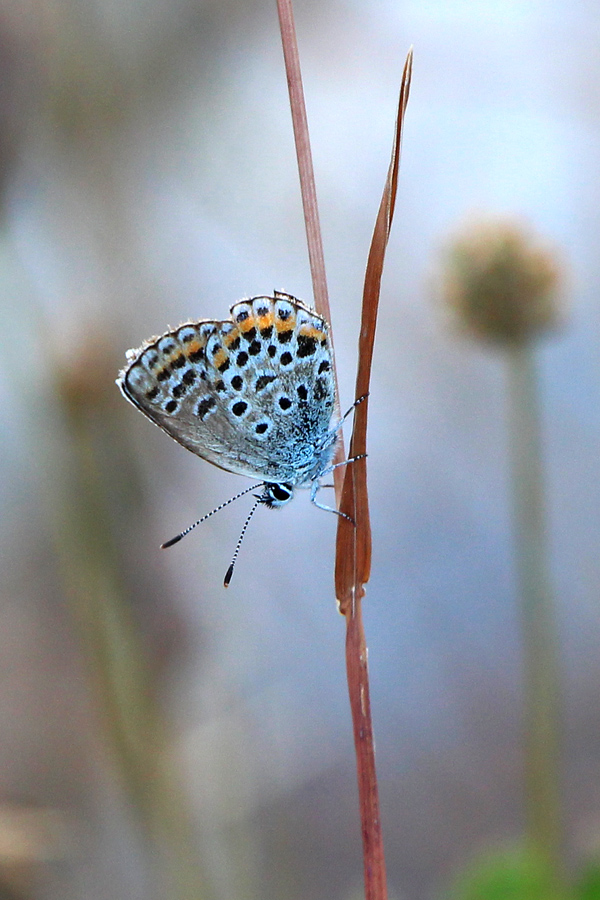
[253,394]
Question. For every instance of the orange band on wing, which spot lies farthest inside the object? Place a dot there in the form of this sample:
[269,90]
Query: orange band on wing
[265,321]
[247,324]
[310,331]
[231,337]
[220,357]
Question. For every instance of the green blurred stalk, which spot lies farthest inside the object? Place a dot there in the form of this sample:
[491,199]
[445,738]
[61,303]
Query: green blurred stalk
[121,671]
[541,669]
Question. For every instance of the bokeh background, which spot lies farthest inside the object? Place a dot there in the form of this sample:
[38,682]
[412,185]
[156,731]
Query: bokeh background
[162,736]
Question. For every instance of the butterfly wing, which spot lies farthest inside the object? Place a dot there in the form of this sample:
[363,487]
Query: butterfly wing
[253,395]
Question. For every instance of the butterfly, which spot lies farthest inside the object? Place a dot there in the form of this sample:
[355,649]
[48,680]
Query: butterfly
[253,394]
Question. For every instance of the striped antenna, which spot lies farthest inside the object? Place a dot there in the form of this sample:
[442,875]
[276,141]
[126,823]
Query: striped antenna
[217,509]
[260,498]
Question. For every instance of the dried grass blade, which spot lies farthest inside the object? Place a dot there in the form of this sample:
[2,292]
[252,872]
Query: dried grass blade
[353,551]
[307,187]
[303,153]
[353,557]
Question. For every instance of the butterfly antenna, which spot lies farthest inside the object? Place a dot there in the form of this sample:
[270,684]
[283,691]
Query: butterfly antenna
[229,574]
[217,509]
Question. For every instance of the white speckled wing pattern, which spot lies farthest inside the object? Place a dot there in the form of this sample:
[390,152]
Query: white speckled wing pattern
[253,395]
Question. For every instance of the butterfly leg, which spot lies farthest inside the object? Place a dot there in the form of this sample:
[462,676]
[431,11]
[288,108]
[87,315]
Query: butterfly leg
[313,494]
[316,486]
[356,403]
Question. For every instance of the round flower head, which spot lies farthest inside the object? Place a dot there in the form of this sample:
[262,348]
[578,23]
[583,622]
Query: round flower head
[500,283]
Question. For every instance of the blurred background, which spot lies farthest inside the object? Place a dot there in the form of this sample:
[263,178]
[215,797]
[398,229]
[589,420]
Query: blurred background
[162,737]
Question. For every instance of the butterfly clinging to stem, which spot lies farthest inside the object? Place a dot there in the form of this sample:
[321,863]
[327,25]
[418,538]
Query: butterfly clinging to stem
[254,395]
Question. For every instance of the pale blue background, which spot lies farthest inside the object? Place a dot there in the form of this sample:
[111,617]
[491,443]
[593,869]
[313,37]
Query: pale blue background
[173,194]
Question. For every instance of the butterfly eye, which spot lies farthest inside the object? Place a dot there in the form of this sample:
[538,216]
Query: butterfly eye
[278,494]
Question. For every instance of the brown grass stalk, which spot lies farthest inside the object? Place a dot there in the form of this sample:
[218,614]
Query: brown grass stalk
[353,551]
[304,156]
[353,562]
[308,192]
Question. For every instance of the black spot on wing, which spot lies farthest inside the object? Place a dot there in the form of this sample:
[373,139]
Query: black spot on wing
[306,345]
[263,381]
[205,406]
[320,389]
[239,408]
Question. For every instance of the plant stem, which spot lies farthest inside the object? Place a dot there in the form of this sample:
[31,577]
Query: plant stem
[360,704]
[121,674]
[304,156]
[537,611]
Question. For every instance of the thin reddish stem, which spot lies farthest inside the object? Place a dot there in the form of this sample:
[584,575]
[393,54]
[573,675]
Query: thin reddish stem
[308,192]
[303,152]
[353,557]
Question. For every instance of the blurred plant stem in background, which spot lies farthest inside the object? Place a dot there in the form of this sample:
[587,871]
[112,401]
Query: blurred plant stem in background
[542,688]
[100,467]
[501,287]
[80,84]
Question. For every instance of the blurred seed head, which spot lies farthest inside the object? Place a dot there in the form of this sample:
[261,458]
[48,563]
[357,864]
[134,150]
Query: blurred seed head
[85,379]
[501,283]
